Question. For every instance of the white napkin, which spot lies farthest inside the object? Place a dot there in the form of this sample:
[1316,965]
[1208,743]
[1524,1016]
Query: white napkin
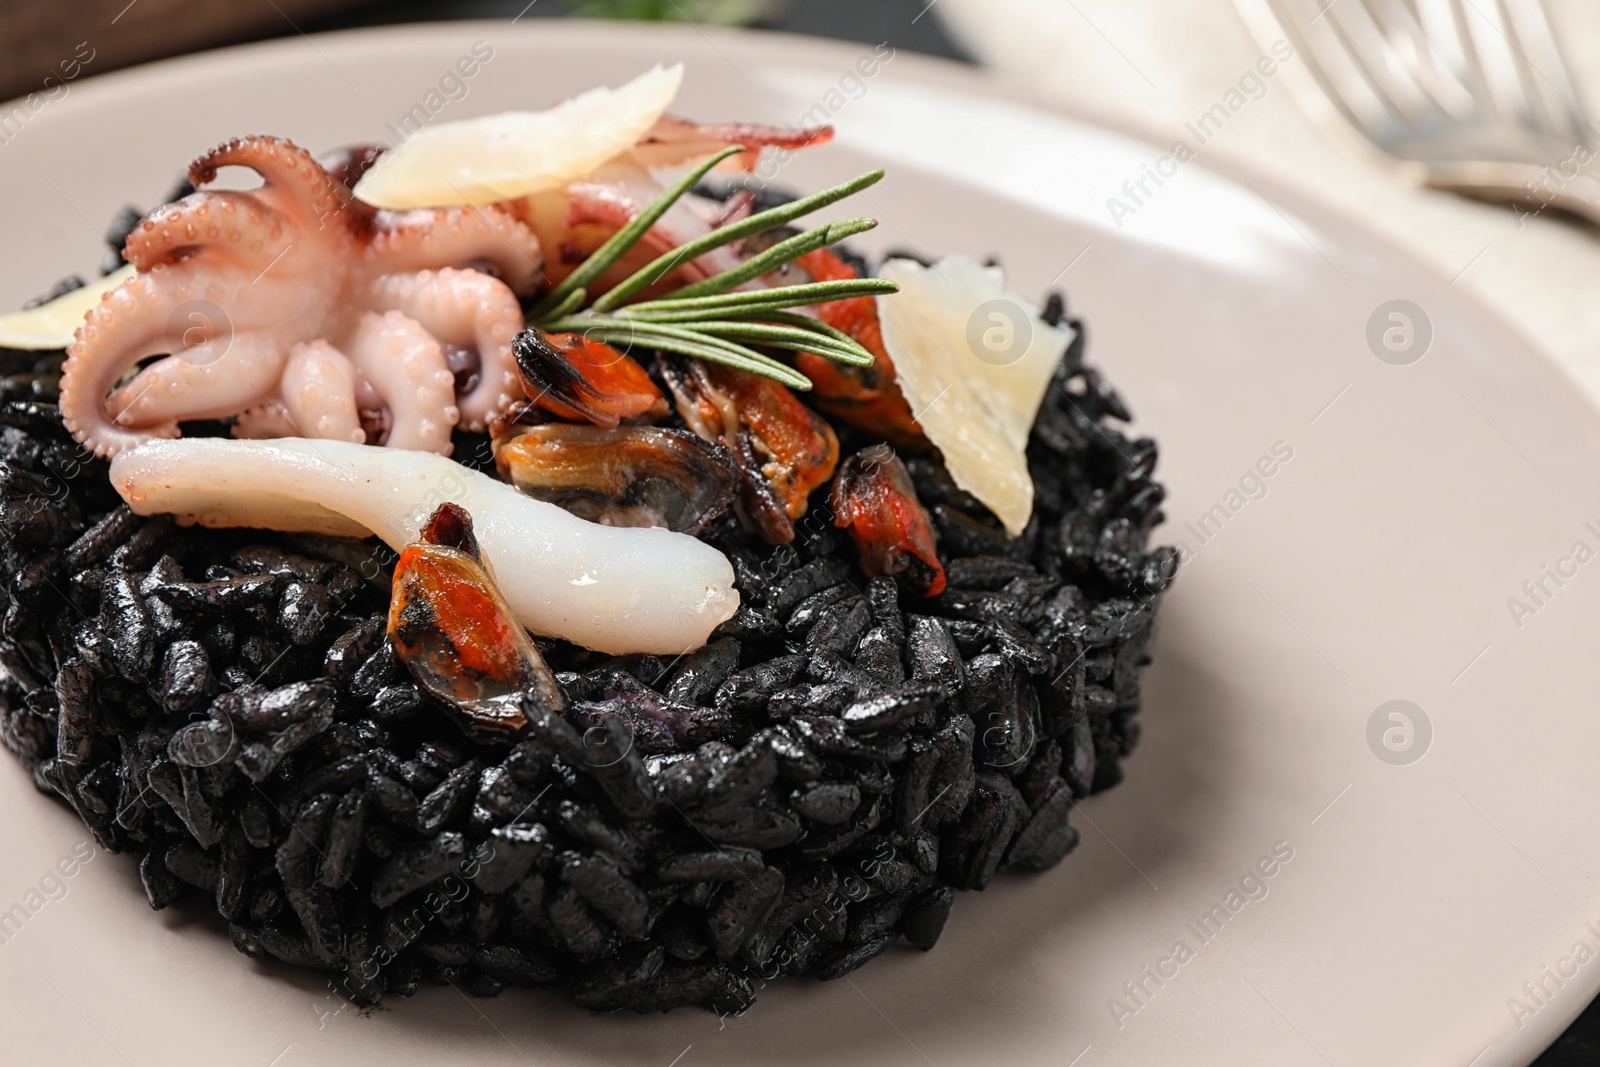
[1160,63]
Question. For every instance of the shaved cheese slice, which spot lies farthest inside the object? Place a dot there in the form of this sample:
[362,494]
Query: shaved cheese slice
[52,325]
[515,153]
[973,359]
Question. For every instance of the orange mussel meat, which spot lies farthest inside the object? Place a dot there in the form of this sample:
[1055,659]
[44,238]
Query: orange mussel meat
[582,380]
[451,627]
[784,449]
[799,450]
[874,499]
[866,397]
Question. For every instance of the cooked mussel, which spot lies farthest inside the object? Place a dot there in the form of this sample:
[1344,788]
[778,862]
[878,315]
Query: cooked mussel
[874,499]
[621,476]
[866,397]
[449,624]
[576,378]
[783,449]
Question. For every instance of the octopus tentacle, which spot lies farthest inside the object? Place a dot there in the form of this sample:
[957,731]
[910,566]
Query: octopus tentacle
[458,237]
[316,398]
[406,366]
[463,307]
[319,393]
[130,323]
[346,165]
[227,225]
[295,183]
[209,381]
[265,422]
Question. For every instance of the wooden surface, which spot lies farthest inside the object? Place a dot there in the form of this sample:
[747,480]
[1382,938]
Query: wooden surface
[45,44]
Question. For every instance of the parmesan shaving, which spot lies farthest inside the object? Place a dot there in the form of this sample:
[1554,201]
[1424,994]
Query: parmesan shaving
[52,325]
[515,153]
[974,360]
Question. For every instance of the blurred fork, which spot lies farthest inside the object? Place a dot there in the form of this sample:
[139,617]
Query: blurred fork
[1471,96]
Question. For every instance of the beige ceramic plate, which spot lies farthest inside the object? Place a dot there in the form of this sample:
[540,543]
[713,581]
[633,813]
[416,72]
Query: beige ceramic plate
[1434,912]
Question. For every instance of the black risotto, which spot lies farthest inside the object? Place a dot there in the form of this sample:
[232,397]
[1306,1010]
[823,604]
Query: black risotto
[796,797]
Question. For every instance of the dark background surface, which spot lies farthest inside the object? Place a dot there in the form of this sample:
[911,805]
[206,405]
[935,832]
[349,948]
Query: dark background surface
[908,24]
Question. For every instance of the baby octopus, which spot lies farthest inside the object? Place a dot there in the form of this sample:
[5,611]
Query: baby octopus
[304,313]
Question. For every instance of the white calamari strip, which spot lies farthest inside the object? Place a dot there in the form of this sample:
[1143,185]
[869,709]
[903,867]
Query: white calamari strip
[615,590]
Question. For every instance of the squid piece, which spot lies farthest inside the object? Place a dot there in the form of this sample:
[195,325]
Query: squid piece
[873,498]
[449,623]
[611,589]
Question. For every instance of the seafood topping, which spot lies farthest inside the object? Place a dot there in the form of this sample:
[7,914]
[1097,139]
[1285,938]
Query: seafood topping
[449,624]
[622,476]
[784,449]
[349,164]
[578,219]
[873,498]
[612,590]
[674,141]
[798,448]
[575,378]
[867,397]
[451,527]
[295,311]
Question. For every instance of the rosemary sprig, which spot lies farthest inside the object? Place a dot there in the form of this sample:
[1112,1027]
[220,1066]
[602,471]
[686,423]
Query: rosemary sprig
[625,238]
[706,319]
[760,222]
[822,331]
[720,334]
